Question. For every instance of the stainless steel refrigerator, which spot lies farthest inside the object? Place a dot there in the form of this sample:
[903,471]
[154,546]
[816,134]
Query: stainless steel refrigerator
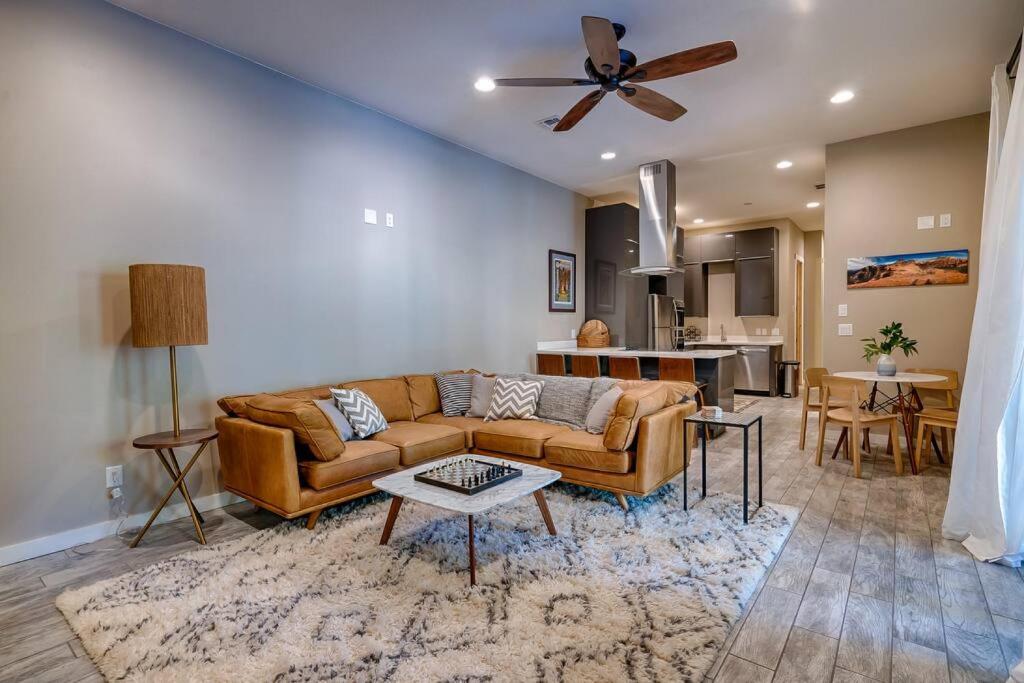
[661,322]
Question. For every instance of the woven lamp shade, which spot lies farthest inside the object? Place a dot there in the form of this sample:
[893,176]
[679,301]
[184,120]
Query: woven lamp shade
[168,304]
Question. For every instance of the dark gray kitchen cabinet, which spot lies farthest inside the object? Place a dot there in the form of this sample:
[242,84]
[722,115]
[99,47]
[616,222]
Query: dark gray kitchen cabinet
[756,286]
[756,243]
[691,247]
[612,246]
[695,290]
[717,247]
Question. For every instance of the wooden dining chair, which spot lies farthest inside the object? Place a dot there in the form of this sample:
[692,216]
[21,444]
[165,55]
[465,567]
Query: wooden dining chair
[852,418]
[586,366]
[683,370]
[551,364]
[938,399]
[621,367]
[929,420]
[812,380]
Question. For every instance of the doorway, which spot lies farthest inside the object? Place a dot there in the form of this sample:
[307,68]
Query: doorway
[798,312]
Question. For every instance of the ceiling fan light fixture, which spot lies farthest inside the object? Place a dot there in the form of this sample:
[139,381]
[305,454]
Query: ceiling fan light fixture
[813,205]
[607,156]
[841,97]
[784,164]
[484,84]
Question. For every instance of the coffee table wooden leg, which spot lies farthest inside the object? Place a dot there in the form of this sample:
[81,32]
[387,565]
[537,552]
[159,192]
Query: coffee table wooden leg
[544,512]
[396,505]
[472,554]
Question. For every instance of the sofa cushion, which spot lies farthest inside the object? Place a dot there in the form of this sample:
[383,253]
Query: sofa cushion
[676,391]
[633,405]
[330,408]
[419,441]
[563,400]
[423,395]
[360,459]
[467,424]
[513,399]
[455,391]
[360,411]
[234,405]
[516,437]
[303,417]
[586,451]
[391,396]
[480,397]
[601,411]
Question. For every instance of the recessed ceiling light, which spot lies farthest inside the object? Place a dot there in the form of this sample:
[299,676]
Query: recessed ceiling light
[785,163]
[484,84]
[607,155]
[813,205]
[698,221]
[842,96]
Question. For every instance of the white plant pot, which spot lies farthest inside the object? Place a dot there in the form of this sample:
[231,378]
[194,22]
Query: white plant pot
[886,366]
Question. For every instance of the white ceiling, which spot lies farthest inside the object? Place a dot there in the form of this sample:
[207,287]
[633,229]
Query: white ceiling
[909,61]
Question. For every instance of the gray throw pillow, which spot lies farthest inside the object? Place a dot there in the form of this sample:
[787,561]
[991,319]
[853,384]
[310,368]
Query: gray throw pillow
[337,418]
[480,399]
[565,400]
[597,418]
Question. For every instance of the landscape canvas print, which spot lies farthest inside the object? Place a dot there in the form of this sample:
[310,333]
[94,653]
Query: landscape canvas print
[907,270]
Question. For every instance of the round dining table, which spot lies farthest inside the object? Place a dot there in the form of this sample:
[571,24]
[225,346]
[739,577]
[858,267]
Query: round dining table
[905,402]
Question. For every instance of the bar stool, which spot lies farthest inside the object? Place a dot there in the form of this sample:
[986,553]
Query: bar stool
[585,366]
[551,364]
[683,370]
[621,367]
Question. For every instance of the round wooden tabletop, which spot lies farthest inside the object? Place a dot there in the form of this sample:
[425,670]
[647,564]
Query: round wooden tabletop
[899,377]
[188,437]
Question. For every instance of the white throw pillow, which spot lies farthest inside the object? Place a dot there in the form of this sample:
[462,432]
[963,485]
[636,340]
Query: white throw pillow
[360,410]
[480,399]
[514,399]
[597,418]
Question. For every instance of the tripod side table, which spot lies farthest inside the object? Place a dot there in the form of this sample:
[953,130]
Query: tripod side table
[169,440]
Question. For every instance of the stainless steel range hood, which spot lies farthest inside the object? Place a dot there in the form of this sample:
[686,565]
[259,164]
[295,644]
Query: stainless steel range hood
[657,220]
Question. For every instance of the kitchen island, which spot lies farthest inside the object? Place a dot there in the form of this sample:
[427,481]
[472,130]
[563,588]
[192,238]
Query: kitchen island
[715,367]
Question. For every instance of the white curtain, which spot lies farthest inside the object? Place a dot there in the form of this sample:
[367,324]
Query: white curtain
[986,496]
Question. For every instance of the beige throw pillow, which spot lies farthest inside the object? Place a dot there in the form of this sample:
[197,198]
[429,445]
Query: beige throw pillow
[597,418]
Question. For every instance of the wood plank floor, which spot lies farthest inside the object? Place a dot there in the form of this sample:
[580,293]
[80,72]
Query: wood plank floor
[865,588]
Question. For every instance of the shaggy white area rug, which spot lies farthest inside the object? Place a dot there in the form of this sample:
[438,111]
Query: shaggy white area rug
[645,595]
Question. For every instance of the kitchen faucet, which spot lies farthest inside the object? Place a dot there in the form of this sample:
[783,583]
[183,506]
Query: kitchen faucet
[722,327]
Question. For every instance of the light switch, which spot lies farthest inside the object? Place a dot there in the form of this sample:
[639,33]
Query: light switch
[842,311]
[925,222]
[845,330]
[389,219]
[370,216]
[945,220]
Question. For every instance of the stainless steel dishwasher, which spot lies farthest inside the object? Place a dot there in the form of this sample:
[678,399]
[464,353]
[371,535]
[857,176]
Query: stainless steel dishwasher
[753,368]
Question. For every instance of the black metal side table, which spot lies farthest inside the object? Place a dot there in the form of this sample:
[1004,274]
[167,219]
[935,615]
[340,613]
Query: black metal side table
[744,421]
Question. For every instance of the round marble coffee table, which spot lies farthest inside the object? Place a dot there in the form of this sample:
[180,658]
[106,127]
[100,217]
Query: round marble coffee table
[402,485]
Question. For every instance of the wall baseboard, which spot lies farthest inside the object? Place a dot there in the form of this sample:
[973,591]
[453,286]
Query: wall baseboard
[63,540]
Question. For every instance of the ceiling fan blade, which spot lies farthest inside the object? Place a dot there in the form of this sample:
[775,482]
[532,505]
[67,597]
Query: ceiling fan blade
[683,62]
[578,111]
[599,35]
[542,82]
[653,103]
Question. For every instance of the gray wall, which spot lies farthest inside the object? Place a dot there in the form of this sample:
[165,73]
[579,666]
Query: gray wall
[125,142]
[876,187]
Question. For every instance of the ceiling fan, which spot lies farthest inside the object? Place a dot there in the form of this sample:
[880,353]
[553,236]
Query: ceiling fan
[615,70]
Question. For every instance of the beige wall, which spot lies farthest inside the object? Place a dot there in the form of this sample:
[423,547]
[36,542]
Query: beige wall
[124,142]
[876,187]
[721,288]
[814,253]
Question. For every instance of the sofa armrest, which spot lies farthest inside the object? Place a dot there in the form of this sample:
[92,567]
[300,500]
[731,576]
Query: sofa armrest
[661,448]
[259,462]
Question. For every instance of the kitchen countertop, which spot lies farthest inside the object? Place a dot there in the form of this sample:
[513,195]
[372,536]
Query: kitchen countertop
[732,341]
[640,353]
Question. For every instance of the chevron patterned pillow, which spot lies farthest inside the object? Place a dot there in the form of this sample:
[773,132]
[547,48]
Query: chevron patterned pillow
[362,413]
[514,399]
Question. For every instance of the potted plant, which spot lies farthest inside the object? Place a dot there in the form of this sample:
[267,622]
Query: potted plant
[892,339]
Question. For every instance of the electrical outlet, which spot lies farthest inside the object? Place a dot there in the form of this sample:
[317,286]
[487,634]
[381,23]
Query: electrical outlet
[389,219]
[945,220]
[370,216]
[845,330]
[115,476]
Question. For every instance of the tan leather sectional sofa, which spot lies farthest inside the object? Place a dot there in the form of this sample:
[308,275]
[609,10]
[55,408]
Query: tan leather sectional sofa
[273,452]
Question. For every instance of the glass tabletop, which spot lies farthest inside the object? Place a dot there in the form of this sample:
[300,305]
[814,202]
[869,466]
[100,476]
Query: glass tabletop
[726,420]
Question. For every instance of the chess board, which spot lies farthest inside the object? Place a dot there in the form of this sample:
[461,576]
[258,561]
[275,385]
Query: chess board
[468,475]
